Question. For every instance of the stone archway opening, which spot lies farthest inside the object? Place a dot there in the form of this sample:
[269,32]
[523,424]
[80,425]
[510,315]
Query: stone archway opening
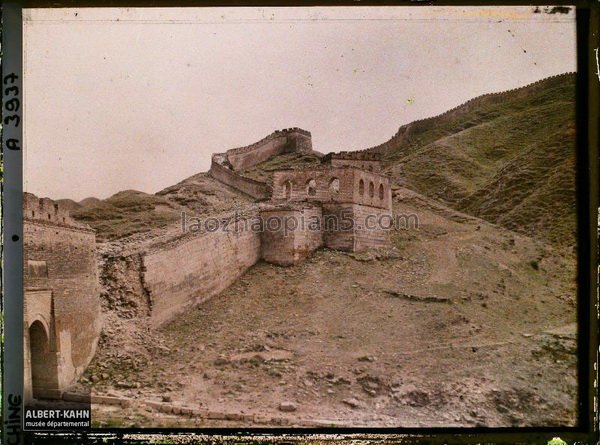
[288,189]
[334,185]
[311,187]
[44,375]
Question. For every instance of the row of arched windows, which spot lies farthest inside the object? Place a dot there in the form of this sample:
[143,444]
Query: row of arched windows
[361,189]
[334,187]
[311,187]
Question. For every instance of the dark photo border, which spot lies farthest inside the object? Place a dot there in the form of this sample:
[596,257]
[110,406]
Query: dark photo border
[587,186]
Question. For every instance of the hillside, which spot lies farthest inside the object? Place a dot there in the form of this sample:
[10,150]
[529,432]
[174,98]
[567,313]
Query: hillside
[130,211]
[462,323]
[468,324]
[508,158]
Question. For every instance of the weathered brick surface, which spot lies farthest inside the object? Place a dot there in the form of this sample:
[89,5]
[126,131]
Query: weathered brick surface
[359,159]
[278,142]
[374,166]
[246,159]
[372,227]
[47,210]
[375,191]
[255,189]
[197,268]
[338,231]
[293,185]
[339,185]
[61,289]
[290,234]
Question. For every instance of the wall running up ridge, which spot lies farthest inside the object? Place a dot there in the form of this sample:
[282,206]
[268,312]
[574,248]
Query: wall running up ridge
[225,166]
[281,141]
[405,131]
[256,189]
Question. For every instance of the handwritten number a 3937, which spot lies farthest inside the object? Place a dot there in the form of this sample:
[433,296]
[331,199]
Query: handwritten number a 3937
[12,106]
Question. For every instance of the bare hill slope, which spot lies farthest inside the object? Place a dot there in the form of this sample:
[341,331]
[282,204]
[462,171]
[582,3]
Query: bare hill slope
[130,211]
[459,328]
[508,158]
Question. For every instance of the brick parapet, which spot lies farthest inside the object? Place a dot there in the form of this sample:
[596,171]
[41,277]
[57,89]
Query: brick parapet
[462,108]
[49,212]
[276,134]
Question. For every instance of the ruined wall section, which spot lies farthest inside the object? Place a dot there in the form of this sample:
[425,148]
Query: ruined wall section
[282,141]
[372,189]
[225,167]
[356,227]
[327,185]
[59,257]
[359,159]
[290,233]
[330,184]
[354,203]
[338,226]
[372,229]
[185,271]
[222,173]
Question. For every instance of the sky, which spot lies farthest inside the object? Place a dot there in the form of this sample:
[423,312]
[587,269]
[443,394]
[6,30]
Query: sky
[139,98]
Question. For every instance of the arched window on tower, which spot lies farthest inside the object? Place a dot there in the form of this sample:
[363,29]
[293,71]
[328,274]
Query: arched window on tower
[334,185]
[381,192]
[311,187]
[287,186]
[371,189]
[361,187]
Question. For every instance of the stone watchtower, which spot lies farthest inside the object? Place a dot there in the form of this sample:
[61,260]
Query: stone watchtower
[352,201]
[61,298]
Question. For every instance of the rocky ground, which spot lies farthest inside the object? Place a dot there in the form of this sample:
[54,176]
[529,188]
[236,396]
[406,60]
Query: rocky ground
[463,324]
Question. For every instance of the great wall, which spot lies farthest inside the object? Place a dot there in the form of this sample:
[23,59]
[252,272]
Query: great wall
[405,131]
[164,275]
[70,279]
[61,305]
[226,167]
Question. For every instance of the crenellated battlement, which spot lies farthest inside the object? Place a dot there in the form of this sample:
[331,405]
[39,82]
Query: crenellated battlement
[47,210]
[352,155]
[222,171]
[60,299]
[360,159]
[464,107]
[225,167]
[275,135]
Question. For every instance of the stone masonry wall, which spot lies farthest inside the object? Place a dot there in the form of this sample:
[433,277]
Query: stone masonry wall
[374,166]
[256,189]
[272,147]
[372,233]
[375,191]
[338,232]
[355,227]
[184,273]
[323,190]
[359,159]
[278,142]
[290,234]
[59,257]
[347,189]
